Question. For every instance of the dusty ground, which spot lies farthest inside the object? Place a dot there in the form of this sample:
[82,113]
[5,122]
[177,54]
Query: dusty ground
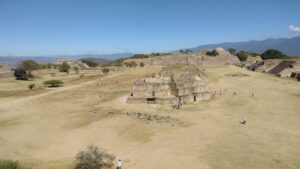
[45,128]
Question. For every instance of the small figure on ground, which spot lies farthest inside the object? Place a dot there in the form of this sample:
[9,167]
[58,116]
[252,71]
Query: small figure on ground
[119,164]
[243,121]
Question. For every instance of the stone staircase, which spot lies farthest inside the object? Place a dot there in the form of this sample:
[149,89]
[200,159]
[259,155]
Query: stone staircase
[256,65]
[281,66]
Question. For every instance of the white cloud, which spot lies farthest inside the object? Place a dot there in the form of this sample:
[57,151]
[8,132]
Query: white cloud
[293,28]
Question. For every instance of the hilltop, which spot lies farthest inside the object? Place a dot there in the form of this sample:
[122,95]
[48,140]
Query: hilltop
[289,46]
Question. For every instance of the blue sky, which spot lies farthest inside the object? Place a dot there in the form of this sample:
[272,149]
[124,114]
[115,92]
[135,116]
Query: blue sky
[50,27]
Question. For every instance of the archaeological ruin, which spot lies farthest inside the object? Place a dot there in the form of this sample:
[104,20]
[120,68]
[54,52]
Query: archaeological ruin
[173,85]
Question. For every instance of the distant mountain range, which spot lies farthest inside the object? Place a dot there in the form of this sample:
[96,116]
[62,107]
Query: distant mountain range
[289,46]
[12,61]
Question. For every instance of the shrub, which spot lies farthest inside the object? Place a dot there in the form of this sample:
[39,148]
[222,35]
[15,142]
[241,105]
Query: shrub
[212,53]
[142,64]
[24,70]
[118,62]
[89,63]
[130,64]
[42,66]
[94,158]
[49,66]
[64,67]
[185,51]
[272,54]
[105,70]
[53,83]
[31,86]
[298,77]
[138,56]
[242,55]
[20,74]
[76,69]
[232,51]
[9,164]
[55,66]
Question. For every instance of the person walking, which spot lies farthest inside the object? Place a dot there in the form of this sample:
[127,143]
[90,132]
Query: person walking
[119,164]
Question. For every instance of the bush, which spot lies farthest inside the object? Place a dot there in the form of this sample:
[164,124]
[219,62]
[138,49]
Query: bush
[232,51]
[64,67]
[212,53]
[185,51]
[142,64]
[42,66]
[118,62]
[56,66]
[9,164]
[24,70]
[31,86]
[94,158]
[49,66]
[105,70]
[20,74]
[298,77]
[89,63]
[76,70]
[53,83]
[272,54]
[130,64]
[138,56]
[242,55]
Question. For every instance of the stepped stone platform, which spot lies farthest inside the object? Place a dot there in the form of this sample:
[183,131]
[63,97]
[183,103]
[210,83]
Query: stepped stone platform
[173,85]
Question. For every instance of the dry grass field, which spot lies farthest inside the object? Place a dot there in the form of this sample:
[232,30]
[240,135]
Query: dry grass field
[45,128]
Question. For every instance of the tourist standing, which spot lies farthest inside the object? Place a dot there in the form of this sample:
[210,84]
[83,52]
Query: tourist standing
[119,164]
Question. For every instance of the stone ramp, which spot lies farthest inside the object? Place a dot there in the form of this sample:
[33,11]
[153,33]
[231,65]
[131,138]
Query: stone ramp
[256,65]
[281,66]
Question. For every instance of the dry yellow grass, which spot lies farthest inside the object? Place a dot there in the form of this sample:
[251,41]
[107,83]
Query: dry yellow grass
[46,129]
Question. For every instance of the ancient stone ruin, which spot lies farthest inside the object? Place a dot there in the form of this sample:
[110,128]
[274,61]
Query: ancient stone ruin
[173,85]
[192,58]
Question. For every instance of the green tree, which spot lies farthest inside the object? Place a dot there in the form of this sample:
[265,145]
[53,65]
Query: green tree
[29,66]
[212,53]
[242,55]
[232,51]
[272,54]
[138,56]
[20,74]
[64,67]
